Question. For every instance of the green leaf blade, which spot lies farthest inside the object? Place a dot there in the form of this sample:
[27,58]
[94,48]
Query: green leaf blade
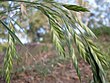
[75,8]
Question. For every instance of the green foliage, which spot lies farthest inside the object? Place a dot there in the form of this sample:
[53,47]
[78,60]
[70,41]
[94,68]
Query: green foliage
[101,31]
[75,8]
[88,51]
[105,48]
[3,47]
[36,22]
[11,32]
[10,53]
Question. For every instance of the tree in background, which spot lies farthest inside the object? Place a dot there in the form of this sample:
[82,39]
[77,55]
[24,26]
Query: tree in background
[57,14]
[36,21]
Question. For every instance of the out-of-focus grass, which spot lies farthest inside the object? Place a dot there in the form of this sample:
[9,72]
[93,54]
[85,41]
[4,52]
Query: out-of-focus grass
[3,47]
[104,30]
[46,66]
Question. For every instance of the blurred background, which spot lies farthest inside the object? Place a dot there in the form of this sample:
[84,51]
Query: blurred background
[36,24]
[39,55]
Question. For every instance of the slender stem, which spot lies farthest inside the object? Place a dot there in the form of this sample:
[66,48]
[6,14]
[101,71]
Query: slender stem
[19,1]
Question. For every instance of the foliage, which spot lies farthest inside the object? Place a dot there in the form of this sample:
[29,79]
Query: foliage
[36,22]
[101,31]
[104,44]
[55,11]
[76,8]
